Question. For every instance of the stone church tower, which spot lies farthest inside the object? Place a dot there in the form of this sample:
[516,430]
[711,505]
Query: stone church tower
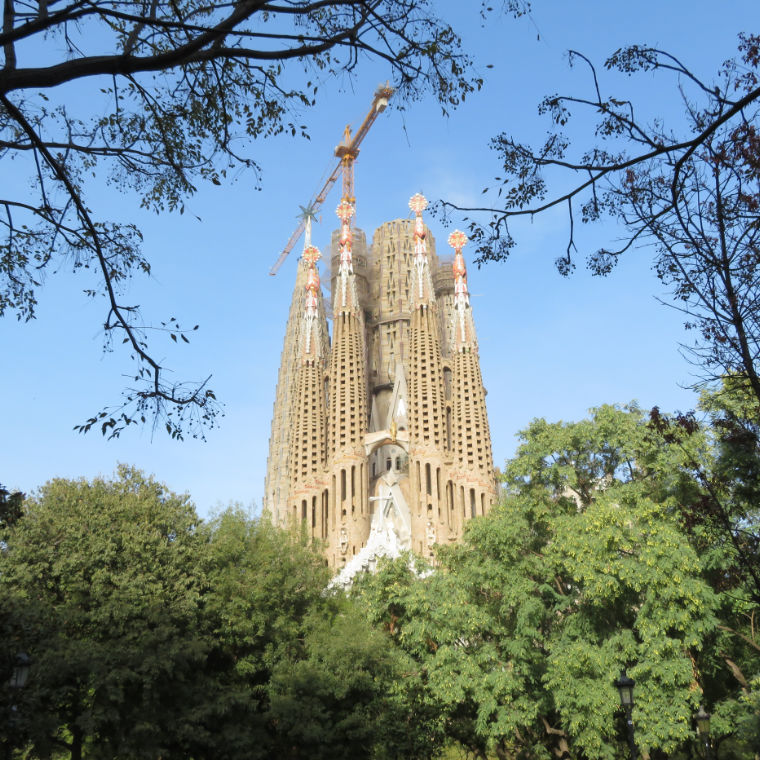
[380,438]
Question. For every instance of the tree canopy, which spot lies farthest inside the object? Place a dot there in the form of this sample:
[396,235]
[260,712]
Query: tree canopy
[101,581]
[624,540]
[152,634]
[590,565]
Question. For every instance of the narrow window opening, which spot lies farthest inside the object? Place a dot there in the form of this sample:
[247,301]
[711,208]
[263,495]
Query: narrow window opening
[334,499]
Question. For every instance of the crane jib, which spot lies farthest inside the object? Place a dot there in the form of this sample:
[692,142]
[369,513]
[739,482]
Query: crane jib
[346,153]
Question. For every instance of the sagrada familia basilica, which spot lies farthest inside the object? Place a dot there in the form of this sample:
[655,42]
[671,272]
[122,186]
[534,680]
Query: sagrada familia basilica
[380,440]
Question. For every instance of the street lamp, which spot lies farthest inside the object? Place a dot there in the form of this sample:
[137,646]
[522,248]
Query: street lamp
[702,719]
[20,672]
[625,685]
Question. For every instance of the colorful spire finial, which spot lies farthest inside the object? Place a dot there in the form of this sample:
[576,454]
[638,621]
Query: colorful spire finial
[344,211]
[457,240]
[418,203]
[311,255]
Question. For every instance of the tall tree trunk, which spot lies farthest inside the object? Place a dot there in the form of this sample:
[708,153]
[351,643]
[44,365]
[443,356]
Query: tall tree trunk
[76,742]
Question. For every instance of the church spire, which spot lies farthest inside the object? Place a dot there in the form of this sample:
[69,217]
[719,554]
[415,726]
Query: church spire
[471,440]
[348,415]
[426,414]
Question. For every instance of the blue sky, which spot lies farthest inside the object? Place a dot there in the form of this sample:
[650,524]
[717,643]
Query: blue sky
[549,346]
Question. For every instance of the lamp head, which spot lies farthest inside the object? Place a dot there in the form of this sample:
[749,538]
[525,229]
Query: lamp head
[625,685]
[702,719]
[20,672]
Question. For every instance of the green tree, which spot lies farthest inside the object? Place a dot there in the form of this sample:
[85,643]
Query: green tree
[732,481]
[152,635]
[10,507]
[722,521]
[344,698]
[103,581]
[263,585]
[298,673]
[176,94]
[587,567]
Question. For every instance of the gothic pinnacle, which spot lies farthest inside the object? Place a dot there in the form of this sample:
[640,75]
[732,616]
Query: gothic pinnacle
[418,203]
[344,212]
[458,240]
[311,255]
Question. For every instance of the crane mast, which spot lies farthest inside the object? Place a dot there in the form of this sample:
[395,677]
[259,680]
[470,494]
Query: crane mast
[346,152]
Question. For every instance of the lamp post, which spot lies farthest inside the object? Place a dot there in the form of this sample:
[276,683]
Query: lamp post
[702,719]
[20,672]
[625,685]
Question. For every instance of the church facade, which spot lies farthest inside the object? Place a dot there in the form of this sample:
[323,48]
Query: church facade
[380,440]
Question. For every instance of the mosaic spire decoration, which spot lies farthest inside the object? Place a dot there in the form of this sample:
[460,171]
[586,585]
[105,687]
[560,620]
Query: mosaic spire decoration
[418,203]
[345,211]
[458,240]
[311,255]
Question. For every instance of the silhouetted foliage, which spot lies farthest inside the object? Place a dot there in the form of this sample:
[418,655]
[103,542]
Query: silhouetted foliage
[10,507]
[175,94]
[690,190]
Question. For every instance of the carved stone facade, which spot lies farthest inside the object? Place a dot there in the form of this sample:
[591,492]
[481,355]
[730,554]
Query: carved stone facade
[380,438]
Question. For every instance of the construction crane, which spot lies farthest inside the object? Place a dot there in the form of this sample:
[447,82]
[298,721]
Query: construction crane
[346,152]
